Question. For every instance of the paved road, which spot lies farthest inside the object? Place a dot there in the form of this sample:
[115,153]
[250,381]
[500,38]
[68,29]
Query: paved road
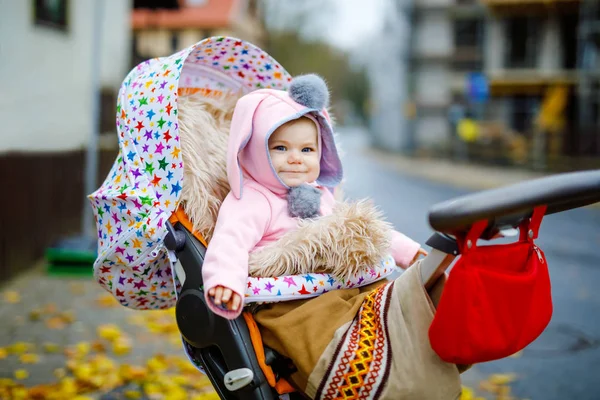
[564,363]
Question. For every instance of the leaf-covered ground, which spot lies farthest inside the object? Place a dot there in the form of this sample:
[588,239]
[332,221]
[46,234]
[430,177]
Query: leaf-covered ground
[65,338]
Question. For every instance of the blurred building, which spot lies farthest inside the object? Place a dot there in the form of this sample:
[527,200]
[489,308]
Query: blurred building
[46,112]
[541,62]
[531,48]
[447,42]
[387,71]
[161,28]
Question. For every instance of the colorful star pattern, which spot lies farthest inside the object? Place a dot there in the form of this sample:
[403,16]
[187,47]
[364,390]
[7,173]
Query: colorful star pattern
[271,290]
[143,187]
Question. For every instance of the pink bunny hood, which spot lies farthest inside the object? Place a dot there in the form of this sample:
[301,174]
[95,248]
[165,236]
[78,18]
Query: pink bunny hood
[258,114]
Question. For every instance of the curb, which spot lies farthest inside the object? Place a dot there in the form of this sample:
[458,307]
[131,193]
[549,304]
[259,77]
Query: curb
[471,177]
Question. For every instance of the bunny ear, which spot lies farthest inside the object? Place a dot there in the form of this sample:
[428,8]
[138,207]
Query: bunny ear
[239,136]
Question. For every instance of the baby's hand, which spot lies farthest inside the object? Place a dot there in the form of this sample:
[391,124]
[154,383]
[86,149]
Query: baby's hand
[421,252]
[226,298]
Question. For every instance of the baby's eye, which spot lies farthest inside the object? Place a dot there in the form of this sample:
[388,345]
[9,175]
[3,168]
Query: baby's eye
[307,150]
[279,148]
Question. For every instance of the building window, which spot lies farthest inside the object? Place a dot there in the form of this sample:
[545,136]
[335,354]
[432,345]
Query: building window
[467,32]
[51,13]
[468,39]
[522,35]
[156,4]
[524,111]
[569,27]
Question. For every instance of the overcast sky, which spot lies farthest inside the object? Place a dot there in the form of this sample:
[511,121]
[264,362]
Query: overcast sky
[355,20]
[344,23]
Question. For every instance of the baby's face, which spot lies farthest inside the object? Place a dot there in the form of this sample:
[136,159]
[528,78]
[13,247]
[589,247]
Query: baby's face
[294,152]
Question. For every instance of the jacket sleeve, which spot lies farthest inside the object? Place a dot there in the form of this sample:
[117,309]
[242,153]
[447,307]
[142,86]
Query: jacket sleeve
[241,224]
[403,249]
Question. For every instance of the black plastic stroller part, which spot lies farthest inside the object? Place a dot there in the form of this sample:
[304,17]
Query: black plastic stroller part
[507,206]
[223,346]
[443,243]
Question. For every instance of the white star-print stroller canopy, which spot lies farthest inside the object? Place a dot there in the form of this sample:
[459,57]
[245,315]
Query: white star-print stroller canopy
[143,187]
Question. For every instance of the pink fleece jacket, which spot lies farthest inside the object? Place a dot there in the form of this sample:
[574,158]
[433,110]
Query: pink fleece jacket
[255,212]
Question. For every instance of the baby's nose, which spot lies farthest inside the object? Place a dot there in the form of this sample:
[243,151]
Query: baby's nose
[294,157]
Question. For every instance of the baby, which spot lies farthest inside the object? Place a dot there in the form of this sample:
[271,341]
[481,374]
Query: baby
[282,164]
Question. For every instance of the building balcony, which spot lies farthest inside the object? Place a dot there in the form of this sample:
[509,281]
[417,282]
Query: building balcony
[528,82]
[423,57]
[467,8]
[531,7]
[467,58]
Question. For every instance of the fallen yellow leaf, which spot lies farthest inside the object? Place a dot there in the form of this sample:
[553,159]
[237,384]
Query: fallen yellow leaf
[157,365]
[109,332]
[82,349]
[55,323]
[466,394]
[207,396]
[6,382]
[60,373]
[180,380]
[12,297]
[21,374]
[20,347]
[98,346]
[502,379]
[51,347]
[35,315]
[121,346]
[107,301]
[3,353]
[83,371]
[68,387]
[133,394]
[19,393]
[50,308]
[29,358]
[68,317]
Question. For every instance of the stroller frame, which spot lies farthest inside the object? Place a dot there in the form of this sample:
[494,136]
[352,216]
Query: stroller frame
[224,347]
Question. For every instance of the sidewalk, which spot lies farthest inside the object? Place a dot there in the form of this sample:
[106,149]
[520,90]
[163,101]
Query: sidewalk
[66,338]
[465,176]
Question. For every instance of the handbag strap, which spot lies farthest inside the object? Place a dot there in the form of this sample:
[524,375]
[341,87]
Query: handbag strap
[469,241]
[529,228]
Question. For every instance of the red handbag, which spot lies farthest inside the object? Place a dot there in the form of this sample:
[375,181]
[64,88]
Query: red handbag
[497,298]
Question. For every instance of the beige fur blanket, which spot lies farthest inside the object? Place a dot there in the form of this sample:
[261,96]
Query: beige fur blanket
[353,237]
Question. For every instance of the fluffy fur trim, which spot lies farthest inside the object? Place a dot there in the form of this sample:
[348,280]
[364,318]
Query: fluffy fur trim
[309,90]
[353,237]
[304,201]
[204,128]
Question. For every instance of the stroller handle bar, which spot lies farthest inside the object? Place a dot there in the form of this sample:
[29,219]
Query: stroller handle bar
[508,205]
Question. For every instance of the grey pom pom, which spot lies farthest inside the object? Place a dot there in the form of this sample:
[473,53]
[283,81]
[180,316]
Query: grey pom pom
[310,91]
[304,201]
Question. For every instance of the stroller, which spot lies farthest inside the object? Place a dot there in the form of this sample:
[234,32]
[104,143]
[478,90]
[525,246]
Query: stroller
[150,256]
